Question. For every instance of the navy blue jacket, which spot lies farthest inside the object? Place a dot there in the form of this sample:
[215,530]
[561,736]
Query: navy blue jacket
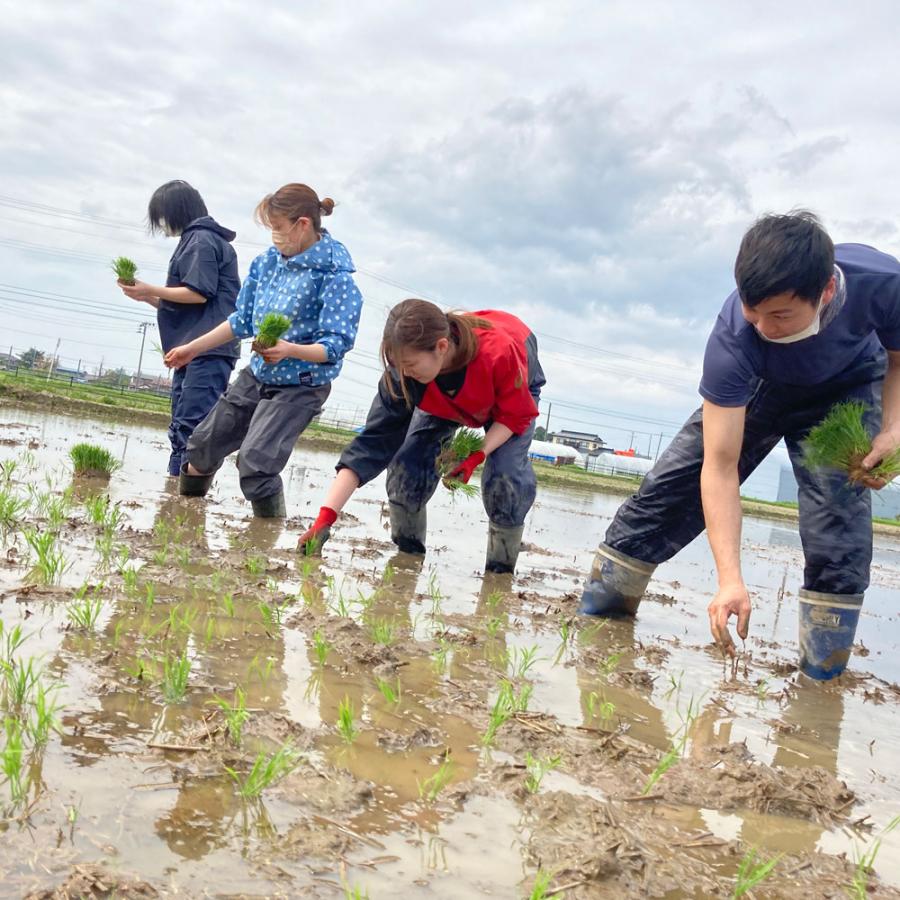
[205,262]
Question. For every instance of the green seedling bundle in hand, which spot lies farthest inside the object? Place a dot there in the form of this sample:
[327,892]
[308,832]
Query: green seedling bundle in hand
[125,269]
[271,330]
[461,446]
[841,441]
[92,461]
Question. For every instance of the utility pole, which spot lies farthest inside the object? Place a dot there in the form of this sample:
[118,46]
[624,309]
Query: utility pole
[631,441]
[658,445]
[547,423]
[53,360]
[142,328]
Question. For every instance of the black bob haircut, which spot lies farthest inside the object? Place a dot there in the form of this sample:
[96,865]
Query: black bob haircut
[780,254]
[173,207]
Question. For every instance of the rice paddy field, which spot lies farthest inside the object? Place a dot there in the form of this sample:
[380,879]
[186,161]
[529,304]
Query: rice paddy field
[191,709]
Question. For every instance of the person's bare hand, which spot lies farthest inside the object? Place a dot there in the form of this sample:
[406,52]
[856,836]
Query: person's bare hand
[883,444]
[729,601]
[139,291]
[178,357]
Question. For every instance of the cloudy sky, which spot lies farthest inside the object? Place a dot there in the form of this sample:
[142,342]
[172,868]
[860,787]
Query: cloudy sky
[588,166]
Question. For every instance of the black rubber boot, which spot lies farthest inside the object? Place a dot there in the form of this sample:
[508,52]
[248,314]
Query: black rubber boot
[270,507]
[408,529]
[193,485]
[503,548]
[616,584]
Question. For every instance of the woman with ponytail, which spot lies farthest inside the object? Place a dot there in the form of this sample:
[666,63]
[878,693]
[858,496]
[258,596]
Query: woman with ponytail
[306,277]
[443,370]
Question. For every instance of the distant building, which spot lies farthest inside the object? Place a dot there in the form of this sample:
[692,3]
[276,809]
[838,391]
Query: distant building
[8,361]
[558,454]
[885,503]
[590,444]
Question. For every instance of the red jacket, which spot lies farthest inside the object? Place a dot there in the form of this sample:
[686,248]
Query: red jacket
[496,384]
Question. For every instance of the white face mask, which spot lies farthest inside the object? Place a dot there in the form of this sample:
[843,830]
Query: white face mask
[810,331]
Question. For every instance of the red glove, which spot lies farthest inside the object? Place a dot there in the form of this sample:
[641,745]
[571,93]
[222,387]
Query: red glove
[463,471]
[314,537]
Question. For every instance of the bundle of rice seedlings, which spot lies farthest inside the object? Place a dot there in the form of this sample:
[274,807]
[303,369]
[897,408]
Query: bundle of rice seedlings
[462,445]
[841,441]
[125,269]
[91,460]
[272,329]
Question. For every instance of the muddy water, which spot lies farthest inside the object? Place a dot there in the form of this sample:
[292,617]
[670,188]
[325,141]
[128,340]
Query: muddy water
[763,764]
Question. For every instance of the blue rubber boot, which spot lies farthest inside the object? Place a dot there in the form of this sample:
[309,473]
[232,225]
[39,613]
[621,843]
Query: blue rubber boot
[616,584]
[827,628]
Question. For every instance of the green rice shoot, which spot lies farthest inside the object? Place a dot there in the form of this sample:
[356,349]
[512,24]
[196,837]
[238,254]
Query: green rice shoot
[841,441]
[91,460]
[125,269]
[272,329]
[463,444]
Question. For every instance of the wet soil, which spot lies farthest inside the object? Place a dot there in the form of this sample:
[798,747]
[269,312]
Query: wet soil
[663,765]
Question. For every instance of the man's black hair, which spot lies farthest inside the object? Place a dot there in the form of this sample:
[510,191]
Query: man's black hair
[784,254]
[173,207]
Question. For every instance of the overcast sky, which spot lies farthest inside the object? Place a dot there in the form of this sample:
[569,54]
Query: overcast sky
[588,166]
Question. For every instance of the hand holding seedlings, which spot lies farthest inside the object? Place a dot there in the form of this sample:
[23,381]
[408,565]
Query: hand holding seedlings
[729,602]
[459,459]
[178,357]
[125,270]
[275,354]
[138,290]
[271,330]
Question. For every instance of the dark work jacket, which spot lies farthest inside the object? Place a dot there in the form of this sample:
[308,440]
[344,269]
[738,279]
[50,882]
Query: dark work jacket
[205,262]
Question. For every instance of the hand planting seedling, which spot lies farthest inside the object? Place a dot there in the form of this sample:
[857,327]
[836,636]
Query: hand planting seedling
[92,461]
[125,269]
[841,441]
[457,450]
[271,330]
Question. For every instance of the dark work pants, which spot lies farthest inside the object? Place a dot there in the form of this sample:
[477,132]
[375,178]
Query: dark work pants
[666,514]
[196,388]
[263,421]
[508,484]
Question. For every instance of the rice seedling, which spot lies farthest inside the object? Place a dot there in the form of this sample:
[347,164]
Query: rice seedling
[266,770]
[434,784]
[676,751]
[11,510]
[321,647]
[256,565]
[462,445]
[12,760]
[387,576]
[751,873]
[8,469]
[500,713]
[272,614]
[841,441]
[271,329]
[161,557]
[130,580]
[355,892]
[565,631]
[236,714]
[84,610]
[542,881]
[125,269]
[149,596]
[58,509]
[522,659]
[183,557]
[262,669]
[383,631]
[537,768]
[440,656]
[176,670]
[228,604]
[598,707]
[10,641]
[50,562]
[141,669]
[91,460]
[20,677]
[388,691]
[865,861]
[45,719]
[346,724]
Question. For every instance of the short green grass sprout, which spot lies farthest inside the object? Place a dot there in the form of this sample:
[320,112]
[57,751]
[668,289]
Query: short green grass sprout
[841,441]
[91,460]
[266,771]
[125,269]
[272,329]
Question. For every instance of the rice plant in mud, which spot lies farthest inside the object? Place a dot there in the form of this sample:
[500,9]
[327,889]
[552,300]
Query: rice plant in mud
[272,329]
[44,707]
[92,461]
[841,441]
[461,446]
[537,768]
[49,562]
[865,861]
[541,886]
[11,511]
[390,693]
[507,703]
[752,872]
[431,787]
[321,647]
[12,761]
[266,770]
[676,750]
[236,714]
[346,722]
[125,269]
[176,670]
[84,610]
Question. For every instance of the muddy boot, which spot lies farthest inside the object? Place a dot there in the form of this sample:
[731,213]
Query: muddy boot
[827,628]
[503,548]
[616,584]
[408,528]
[270,507]
[193,485]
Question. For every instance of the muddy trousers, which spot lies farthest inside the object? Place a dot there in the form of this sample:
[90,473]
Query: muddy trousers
[508,484]
[263,421]
[196,388]
[835,518]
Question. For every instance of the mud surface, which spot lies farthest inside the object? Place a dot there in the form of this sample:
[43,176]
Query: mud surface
[496,738]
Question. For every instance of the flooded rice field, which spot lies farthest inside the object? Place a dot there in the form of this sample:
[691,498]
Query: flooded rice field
[190,708]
